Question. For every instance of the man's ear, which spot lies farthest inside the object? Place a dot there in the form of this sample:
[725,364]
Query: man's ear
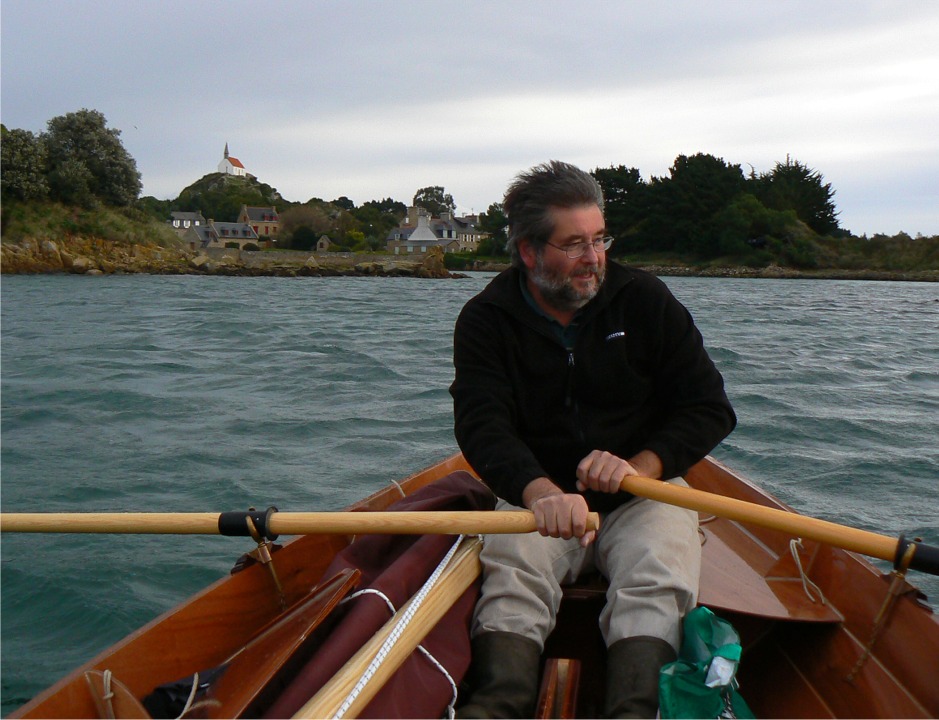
[527,252]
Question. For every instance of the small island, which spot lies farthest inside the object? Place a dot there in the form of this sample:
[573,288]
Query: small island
[68,209]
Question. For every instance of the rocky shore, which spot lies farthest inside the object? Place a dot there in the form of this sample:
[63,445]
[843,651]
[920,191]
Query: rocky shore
[777,272]
[91,256]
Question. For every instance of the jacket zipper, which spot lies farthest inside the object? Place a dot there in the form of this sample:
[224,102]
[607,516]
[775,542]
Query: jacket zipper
[569,396]
[569,403]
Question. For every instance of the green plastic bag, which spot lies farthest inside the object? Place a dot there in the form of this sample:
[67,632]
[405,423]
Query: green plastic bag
[701,684]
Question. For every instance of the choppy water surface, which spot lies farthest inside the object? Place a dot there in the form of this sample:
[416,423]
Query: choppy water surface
[180,394]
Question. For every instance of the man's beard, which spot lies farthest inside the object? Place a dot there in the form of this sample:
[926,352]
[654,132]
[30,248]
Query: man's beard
[559,291]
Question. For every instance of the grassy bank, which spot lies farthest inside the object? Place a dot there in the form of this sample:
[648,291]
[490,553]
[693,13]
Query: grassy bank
[40,221]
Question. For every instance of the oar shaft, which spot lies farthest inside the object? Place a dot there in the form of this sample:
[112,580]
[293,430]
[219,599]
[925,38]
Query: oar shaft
[112,523]
[281,523]
[809,528]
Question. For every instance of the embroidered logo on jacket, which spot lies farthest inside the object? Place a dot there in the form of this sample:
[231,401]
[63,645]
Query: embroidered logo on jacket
[613,336]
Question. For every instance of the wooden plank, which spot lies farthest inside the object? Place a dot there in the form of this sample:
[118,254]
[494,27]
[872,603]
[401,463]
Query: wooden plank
[560,683]
[251,669]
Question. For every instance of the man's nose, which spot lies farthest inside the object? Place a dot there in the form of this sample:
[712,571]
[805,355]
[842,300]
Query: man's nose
[592,255]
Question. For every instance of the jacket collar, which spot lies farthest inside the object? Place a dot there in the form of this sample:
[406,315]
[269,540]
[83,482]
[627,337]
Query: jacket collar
[504,291]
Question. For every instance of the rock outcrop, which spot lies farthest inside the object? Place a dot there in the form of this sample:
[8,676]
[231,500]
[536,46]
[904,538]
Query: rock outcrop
[91,256]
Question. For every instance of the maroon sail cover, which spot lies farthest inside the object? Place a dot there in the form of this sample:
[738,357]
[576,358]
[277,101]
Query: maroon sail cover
[398,565]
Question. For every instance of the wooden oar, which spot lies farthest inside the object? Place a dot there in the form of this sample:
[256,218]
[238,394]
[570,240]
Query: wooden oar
[272,523]
[901,552]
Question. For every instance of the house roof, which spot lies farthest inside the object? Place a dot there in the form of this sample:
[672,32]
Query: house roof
[203,232]
[261,214]
[438,226]
[234,230]
[235,162]
[179,215]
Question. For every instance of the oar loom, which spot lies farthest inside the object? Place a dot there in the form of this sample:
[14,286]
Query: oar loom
[272,523]
[902,552]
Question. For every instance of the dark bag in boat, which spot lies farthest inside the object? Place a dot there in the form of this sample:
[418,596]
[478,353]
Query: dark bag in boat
[397,566]
[702,682]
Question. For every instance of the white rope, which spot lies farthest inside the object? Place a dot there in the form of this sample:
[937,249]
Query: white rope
[108,694]
[192,696]
[807,585]
[397,631]
[371,591]
[106,681]
[451,708]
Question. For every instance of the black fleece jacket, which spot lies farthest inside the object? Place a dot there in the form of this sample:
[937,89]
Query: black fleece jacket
[637,378]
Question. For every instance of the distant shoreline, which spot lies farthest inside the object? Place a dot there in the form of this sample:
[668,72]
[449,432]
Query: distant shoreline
[82,256]
[773,272]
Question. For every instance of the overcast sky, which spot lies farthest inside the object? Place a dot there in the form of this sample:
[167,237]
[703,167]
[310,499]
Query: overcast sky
[378,99]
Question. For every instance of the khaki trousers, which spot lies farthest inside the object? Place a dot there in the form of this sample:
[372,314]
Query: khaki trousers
[649,551]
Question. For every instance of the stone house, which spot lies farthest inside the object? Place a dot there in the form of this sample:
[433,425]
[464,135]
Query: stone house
[420,231]
[220,235]
[182,221]
[264,220]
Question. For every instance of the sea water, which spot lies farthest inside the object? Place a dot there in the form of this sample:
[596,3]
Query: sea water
[184,394]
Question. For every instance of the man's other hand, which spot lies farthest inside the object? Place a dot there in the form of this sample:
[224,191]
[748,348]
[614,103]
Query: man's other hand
[563,515]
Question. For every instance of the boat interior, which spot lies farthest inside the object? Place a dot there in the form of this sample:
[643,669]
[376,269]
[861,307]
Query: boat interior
[824,633]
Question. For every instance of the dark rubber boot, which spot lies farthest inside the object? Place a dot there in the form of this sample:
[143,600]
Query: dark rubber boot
[503,677]
[632,676]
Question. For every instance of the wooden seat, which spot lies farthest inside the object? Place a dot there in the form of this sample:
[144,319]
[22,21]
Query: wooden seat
[740,575]
[559,684]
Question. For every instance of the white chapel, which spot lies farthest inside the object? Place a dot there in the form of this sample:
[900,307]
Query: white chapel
[231,165]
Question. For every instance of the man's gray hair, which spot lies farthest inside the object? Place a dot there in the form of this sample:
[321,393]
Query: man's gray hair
[532,194]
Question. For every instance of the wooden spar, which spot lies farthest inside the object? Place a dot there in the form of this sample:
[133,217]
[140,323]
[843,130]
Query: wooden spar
[281,523]
[921,557]
[329,701]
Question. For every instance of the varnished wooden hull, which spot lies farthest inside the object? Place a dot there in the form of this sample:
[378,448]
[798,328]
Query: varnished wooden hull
[801,658]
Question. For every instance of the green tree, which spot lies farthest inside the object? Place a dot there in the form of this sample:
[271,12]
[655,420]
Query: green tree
[684,207]
[746,227]
[494,223]
[304,224]
[157,209]
[86,160]
[794,186]
[375,223]
[626,204]
[435,200]
[23,162]
[304,238]
[388,206]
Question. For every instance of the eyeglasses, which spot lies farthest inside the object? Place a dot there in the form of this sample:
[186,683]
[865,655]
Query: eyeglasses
[579,249]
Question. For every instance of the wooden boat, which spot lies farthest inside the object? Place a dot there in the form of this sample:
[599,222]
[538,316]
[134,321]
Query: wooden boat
[870,648]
